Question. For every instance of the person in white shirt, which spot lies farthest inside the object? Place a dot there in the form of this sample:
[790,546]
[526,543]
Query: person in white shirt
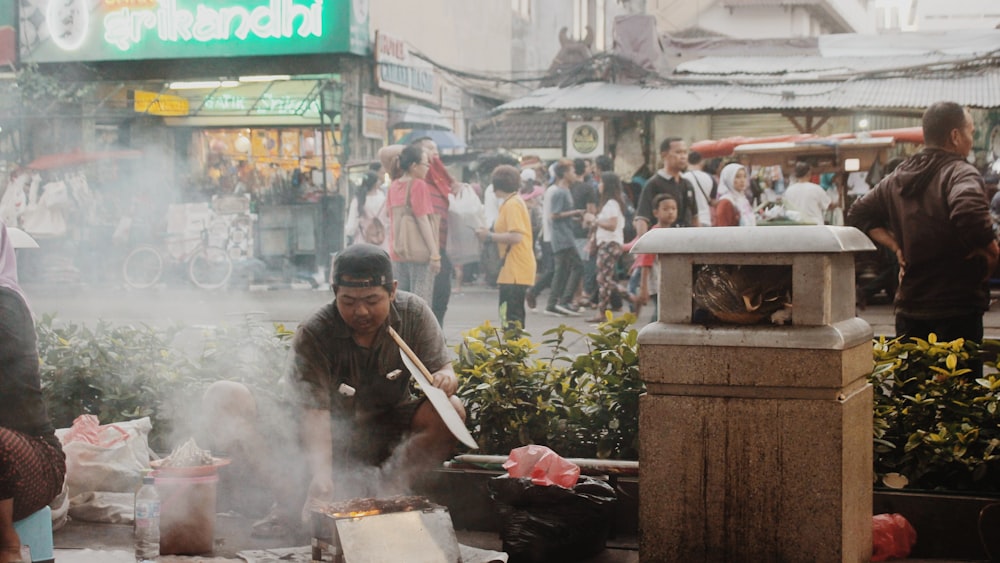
[706,194]
[609,237]
[810,200]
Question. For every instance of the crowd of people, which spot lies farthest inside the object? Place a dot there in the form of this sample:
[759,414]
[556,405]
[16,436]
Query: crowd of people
[347,390]
[566,226]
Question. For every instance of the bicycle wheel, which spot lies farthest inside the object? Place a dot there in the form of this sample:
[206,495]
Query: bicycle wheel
[210,268]
[142,267]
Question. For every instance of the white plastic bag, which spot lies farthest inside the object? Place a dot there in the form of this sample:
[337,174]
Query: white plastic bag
[465,215]
[44,216]
[14,201]
[105,458]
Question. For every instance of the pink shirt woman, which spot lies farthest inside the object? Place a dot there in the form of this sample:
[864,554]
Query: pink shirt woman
[415,277]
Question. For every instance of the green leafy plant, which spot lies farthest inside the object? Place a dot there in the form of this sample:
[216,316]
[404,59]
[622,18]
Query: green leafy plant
[580,406]
[934,423]
[509,396]
[130,371]
[602,393]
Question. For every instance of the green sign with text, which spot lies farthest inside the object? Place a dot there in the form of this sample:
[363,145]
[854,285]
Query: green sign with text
[110,30]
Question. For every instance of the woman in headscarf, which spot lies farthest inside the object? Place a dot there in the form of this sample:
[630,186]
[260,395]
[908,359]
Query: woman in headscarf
[734,208]
[32,464]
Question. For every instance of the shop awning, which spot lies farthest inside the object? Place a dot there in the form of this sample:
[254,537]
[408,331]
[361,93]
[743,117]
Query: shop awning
[416,116]
[274,103]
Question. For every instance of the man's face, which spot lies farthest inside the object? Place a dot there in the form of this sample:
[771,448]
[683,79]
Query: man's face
[676,159]
[570,175]
[962,137]
[430,147]
[364,309]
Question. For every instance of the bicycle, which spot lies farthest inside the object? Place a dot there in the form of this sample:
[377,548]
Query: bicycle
[208,267]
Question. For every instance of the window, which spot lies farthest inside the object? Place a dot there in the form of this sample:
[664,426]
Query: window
[590,13]
[522,8]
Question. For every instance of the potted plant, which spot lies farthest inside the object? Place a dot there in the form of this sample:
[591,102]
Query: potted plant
[937,440]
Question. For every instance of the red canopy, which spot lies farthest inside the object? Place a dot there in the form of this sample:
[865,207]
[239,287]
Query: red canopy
[77,157]
[724,147]
[711,148]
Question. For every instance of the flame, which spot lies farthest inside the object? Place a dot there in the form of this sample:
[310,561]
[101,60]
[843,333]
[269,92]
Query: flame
[356,514]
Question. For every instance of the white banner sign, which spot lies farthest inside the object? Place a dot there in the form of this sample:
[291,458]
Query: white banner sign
[375,117]
[397,70]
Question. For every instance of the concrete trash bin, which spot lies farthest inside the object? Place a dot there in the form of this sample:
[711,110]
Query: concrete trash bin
[187,513]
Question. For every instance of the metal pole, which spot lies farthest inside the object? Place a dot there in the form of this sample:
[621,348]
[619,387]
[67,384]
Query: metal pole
[322,248]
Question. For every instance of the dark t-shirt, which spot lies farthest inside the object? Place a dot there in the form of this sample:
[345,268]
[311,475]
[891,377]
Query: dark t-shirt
[327,356]
[583,193]
[562,228]
[23,409]
[681,189]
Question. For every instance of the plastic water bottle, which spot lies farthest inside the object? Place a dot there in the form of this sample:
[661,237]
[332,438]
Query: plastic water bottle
[147,522]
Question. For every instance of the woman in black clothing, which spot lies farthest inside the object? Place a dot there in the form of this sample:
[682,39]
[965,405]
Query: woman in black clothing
[32,464]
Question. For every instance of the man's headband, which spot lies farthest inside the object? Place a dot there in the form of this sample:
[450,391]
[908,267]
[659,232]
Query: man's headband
[373,281]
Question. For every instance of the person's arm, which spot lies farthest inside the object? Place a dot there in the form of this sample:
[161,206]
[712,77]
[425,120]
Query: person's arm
[690,205]
[568,213]
[445,380]
[10,543]
[726,214]
[641,225]
[990,253]
[644,276]
[885,237]
[428,235]
[420,202]
[607,222]
[643,211]
[970,215]
[317,440]
[510,238]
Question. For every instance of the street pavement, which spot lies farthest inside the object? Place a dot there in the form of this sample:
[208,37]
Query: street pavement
[468,308]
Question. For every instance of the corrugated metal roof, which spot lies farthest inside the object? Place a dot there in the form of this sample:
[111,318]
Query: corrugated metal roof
[979,89]
[803,65]
[535,131]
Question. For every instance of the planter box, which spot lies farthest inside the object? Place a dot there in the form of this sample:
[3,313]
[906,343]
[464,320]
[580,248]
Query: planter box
[947,524]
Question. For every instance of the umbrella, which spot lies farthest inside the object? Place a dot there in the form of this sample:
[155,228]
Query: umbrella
[418,116]
[445,140]
[77,157]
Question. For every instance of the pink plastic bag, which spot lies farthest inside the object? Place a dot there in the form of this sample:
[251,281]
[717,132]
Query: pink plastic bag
[543,466]
[892,537]
[87,428]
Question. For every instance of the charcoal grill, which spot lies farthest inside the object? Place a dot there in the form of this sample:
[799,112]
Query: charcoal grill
[368,530]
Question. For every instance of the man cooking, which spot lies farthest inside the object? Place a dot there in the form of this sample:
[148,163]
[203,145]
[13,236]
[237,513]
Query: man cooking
[351,386]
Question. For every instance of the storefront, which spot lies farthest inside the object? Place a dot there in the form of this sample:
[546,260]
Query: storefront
[250,100]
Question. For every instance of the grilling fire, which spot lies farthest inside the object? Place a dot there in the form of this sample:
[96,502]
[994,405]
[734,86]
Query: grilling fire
[363,525]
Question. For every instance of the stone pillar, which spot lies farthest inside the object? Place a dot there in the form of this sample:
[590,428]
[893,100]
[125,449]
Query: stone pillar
[756,440]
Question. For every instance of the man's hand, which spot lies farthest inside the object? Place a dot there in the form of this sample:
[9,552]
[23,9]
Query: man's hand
[445,380]
[989,253]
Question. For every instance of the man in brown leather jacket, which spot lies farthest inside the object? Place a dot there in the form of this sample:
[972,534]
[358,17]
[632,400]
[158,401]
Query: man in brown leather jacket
[934,214]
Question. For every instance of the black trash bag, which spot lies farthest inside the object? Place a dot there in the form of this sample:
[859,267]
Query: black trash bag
[551,524]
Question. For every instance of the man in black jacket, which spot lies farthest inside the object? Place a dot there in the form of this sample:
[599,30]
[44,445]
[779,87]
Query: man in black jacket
[932,212]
